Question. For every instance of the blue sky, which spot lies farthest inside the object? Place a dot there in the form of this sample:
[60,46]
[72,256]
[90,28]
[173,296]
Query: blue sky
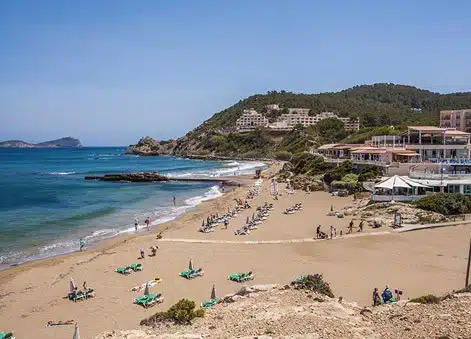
[109,72]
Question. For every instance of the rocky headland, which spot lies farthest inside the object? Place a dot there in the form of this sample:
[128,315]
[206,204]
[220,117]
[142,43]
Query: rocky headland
[62,142]
[271,311]
[148,146]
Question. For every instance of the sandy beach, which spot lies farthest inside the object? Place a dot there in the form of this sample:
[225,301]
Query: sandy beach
[421,262]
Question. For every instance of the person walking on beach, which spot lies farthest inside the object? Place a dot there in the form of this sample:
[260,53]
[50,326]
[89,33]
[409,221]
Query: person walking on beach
[318,231]
[331,232]
[147,223]
[350,227]
[174,203]
[136,222]
[82,244]
[360,226]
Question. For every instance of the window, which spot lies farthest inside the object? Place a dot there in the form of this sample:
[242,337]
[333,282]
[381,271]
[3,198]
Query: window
[467,189]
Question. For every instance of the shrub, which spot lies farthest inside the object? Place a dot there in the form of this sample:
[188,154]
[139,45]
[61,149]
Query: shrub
[283,155]
[315,283]
[426,299]
[183,312]
[350,178]
[447,204]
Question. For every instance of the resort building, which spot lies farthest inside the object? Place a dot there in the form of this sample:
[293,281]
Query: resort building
[349,124]
[304,111]
[250,120]
[459,119]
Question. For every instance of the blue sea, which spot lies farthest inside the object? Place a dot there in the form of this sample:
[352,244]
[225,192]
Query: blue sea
[46,206]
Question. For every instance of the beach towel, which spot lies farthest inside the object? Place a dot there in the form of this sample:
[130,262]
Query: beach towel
[59,323]
[150,283]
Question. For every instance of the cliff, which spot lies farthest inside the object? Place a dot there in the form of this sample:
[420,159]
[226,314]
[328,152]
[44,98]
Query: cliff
[287,313]
[63,142]
[148,146]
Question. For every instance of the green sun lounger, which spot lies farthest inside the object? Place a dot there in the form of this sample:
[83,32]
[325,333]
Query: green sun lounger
[123,270]
[136,267]
[8,335]
[301,278]
[241,277]
[190,274]
[210,303]
[149,300]
[80,295]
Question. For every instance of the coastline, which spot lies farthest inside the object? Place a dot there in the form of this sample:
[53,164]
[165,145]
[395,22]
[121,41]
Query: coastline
[352,264]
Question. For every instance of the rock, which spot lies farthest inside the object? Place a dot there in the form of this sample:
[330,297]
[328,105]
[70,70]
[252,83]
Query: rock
[150,147]
[130,177]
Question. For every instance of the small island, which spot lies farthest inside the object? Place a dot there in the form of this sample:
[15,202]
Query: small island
[67,142]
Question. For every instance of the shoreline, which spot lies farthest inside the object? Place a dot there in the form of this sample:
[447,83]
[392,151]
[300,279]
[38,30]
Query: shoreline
[101,245]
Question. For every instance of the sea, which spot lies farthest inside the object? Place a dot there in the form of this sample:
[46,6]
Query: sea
[46,206]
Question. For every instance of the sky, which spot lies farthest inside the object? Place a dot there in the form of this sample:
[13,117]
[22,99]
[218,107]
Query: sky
[112,71]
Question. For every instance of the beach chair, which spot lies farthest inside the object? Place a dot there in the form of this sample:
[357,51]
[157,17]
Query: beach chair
[136,267]
[123,270]
[80,296]
[210,303]
[149,300]
[8,335]
[241,277]
[190,274]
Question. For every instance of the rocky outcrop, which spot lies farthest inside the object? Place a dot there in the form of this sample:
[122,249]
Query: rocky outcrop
[384,213]
[130,177]
[150,147]
[286,313]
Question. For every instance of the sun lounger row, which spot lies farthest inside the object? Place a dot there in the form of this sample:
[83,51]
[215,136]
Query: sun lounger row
[211,223]
[148,300]
[261,216]
[293,209]
[191,273]
[128,269]
[241,277]
[80,295]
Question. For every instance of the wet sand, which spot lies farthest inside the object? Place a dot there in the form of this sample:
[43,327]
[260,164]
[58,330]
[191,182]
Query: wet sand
[422,262]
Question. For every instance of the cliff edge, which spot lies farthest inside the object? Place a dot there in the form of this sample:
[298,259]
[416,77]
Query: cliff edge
[276,312]
[148,146]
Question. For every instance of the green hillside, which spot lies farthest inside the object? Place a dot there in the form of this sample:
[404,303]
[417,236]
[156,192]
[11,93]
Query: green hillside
[376,105]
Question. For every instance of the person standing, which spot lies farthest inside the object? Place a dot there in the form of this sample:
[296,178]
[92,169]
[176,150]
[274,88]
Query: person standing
[174,202]
[82,245]
[136,223]
[318,231]
[147,223]
[331,232]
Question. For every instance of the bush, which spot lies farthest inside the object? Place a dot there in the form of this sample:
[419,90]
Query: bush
[283,156]
[350,178]
[315,283]
[426,299]
[183,312]
[305,163]
[447,204]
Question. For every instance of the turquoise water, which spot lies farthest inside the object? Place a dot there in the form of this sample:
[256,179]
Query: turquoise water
[46,205]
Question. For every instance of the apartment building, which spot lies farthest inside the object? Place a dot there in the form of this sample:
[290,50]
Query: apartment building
[459,119]
[349,124]
[302,111]
[250,120]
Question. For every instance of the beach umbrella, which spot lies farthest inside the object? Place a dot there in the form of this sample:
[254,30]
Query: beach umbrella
[72,285]
[213,292]
[253,216]
[247,221]
[331,208]
[190,265]
[76,332]
[146,290]
[202,225]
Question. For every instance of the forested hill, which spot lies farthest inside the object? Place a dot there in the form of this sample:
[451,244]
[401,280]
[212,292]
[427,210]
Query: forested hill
[376,105]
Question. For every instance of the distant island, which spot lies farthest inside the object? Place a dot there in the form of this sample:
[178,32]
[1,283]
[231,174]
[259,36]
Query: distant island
[62,143]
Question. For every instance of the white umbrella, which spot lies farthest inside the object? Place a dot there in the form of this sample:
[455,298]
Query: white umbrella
[393,182]
[72,285]
[190,265]
[213,292]
[146,290]
[76,332]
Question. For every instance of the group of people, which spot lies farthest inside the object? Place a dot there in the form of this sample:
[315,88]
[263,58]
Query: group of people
[153,251]
[147,222]
[385,297]
[322,235]
[351,226]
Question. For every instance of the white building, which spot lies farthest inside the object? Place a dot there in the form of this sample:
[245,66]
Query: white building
[349,124]
[250,120]
[298,110]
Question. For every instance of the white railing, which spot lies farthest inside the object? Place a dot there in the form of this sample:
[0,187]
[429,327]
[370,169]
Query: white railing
[355,161]
[438,176]
[375,197]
